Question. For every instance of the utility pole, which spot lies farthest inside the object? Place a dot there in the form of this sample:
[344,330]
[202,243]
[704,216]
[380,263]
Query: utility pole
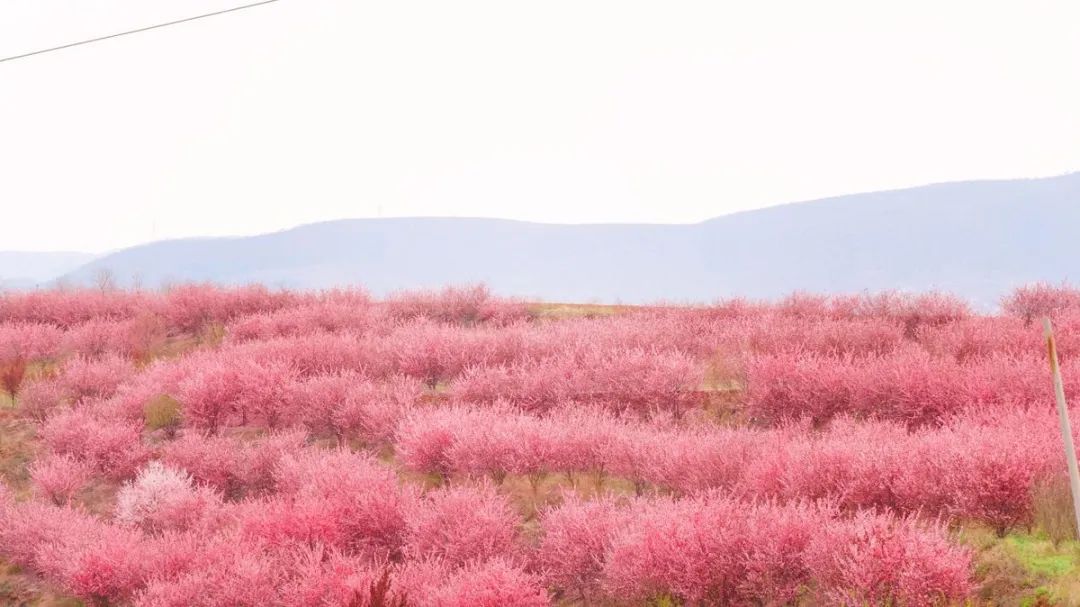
[1063,418]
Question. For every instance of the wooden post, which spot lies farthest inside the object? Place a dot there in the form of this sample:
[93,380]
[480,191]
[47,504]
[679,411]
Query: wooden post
[1063,418]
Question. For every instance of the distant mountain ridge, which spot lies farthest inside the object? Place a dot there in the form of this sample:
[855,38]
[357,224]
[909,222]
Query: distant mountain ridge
[977,239]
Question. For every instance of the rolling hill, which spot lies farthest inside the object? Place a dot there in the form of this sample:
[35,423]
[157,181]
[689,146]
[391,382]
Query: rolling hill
[976,238]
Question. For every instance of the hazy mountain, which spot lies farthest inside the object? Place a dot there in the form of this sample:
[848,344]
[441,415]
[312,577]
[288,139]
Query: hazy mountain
[975,238]
[25,269]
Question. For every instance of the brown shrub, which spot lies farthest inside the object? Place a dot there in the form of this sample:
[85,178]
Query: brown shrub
[12,372]
[162,413]
[1053,509]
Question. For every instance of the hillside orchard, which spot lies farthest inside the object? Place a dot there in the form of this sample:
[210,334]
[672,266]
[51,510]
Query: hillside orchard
[241,446]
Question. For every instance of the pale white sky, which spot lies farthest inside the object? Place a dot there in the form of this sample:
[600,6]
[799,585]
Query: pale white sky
[561,110]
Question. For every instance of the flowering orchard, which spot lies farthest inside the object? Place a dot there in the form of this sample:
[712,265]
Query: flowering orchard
[242,446]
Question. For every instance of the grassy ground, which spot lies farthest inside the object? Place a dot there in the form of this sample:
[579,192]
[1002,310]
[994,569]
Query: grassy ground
[563,310]
[1025,569]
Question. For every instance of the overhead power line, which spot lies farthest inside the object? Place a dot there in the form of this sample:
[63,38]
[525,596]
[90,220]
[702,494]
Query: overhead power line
[136,31]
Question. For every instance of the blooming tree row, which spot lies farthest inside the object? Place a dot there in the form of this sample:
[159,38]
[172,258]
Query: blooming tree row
[335,521]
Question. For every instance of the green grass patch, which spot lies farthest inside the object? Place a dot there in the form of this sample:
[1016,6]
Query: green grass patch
[1024,569]
[1039,556]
